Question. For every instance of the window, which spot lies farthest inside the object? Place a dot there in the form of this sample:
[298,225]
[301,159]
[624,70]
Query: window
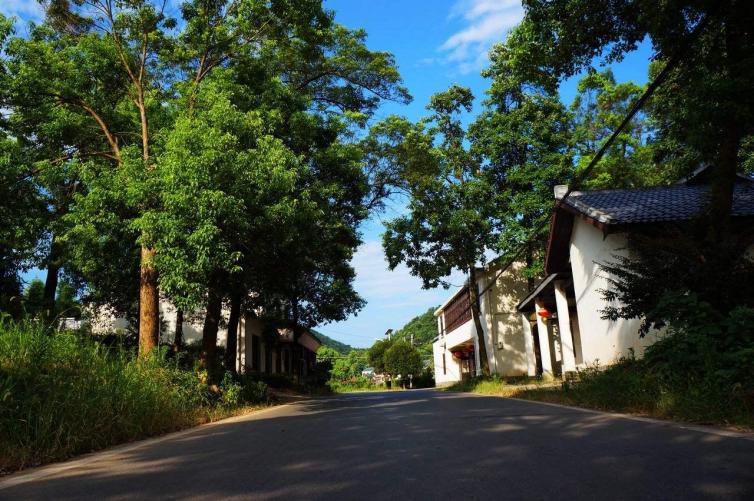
[444,369]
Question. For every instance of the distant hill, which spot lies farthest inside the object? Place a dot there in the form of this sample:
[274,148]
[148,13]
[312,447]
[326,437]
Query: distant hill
[424,329]
[343,348]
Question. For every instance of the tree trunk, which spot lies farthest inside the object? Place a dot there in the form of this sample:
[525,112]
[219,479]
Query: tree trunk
[51,282]
[723,183]
[178,340]
[209,333]
[231,346]
[475,314]
[149,304]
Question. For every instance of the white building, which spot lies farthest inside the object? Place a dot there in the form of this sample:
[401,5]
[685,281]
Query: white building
[563,314]
[260,349]
[558,327]
[455,351]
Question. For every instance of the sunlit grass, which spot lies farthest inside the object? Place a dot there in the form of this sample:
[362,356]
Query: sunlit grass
[65,394]
[627,387]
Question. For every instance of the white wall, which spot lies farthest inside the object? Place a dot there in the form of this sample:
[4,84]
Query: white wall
[503,332]
[104,321]
[602,341]
[452,371]
[501,323]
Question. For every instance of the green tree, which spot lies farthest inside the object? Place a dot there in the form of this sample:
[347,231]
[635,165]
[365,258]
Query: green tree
[403,359]
[706,106]
[524,135]
[127,71]
[21,224]
[448,225]
[33,300]
[598,109]
[376,354]
[66,302]
[349,367]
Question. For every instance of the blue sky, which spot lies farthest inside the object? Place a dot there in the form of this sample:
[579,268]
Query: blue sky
[436,43]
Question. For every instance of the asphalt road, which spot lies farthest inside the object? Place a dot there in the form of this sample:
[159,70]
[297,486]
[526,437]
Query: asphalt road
[418,444]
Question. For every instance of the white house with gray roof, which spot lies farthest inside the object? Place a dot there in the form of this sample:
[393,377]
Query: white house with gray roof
[558,327]
[562,314]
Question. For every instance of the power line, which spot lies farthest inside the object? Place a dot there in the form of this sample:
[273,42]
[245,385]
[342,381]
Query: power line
[659,80]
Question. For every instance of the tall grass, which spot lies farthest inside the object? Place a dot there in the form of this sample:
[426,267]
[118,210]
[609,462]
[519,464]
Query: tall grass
[65,394]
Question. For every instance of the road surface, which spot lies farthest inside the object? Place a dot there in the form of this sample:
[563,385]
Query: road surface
[419,444]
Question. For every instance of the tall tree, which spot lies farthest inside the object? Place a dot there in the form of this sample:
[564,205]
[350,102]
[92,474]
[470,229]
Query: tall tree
[524,135]
[598,109]
[448,225]
[707,99]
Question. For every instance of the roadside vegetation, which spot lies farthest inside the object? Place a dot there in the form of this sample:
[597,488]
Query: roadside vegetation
[693,374]
[387,364]
[64,394]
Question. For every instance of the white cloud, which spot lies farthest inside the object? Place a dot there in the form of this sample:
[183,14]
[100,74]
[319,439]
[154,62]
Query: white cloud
[383,288]
[487,22]
[393,297]
[25,10]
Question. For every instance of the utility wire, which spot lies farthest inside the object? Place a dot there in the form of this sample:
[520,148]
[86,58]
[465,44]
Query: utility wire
[674,61]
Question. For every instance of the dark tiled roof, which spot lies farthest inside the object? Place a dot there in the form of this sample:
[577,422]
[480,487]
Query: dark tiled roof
[673,203]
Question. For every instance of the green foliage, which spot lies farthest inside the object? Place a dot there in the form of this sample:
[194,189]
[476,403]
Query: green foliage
[238,390]
[668,262]
[348,367]
[691,374]
[21,224]
[422,329]
[403,359]
[360,383]
[598,109]
[33,299]
[524,135]
[328,342]
[701,114]
[51,384]
[66,302]
[376,354]
[222,142]
[448,225]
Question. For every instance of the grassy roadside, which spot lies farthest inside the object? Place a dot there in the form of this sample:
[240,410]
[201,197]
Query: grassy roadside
[65,394]
[348,388]
[626,387]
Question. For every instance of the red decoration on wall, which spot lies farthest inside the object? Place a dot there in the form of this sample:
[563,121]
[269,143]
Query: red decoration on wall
[544,313]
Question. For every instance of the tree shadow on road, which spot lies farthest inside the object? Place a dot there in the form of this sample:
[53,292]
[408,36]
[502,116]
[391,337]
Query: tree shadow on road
[418,444]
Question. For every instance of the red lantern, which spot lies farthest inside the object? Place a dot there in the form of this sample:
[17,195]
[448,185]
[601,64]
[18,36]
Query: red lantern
[544,313]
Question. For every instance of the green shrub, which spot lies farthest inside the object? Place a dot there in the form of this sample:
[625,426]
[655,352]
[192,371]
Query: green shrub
[256,392]
[701,370]
[66,394]
[357,383]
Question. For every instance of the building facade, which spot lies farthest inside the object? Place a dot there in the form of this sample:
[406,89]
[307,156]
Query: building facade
[557,326]
[456,352]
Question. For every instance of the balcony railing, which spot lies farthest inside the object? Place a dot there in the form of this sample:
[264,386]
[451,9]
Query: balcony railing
[458,312]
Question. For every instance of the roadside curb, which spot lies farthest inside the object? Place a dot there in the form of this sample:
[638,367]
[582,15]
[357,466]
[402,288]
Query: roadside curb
[40,472]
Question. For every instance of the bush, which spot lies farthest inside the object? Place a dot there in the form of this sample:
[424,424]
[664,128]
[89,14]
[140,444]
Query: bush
[700,371]
[254,391]
[66,394]
[358,383]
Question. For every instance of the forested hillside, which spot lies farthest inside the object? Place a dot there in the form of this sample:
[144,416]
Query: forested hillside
[423,328]
[342,348]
